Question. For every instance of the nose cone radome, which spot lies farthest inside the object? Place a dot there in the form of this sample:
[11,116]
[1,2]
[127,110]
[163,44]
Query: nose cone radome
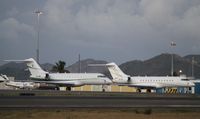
[191,84]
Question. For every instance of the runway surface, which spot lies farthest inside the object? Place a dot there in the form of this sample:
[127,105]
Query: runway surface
[34,99]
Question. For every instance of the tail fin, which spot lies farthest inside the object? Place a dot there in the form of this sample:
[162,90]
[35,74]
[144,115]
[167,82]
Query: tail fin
[4,78]
[116,72]
[34,68]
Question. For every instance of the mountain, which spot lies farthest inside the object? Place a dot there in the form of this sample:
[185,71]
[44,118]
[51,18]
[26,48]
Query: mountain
[196,58]
[17,70]
[47,66]
[160,66]
[156,66]
[20,72]
[74,68]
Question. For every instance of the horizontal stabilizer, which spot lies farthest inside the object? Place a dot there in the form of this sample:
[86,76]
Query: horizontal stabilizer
[96,65]
[26,60]
[102,65]
[34,68]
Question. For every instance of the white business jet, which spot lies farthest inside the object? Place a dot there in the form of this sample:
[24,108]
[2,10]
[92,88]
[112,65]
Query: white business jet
[146,82]
[63,79]
[18,84]
[22,85]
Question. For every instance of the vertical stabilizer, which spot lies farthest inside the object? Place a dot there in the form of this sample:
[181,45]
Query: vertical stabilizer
[116,72]
[3,78]
[34,68]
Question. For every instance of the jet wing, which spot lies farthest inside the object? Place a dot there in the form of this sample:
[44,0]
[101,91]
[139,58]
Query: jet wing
[144,85]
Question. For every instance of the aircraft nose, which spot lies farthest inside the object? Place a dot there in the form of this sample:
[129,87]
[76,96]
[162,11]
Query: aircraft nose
[192,84]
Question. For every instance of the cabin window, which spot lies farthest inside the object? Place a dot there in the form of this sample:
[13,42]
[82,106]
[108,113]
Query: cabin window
[101,76]
[184,79]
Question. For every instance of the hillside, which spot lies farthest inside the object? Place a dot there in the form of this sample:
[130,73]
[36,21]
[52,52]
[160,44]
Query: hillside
[20,72]
[196,58]
[74,68]
[156,66]
[160,66]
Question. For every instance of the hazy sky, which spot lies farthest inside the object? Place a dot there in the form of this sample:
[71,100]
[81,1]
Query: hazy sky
[112,30]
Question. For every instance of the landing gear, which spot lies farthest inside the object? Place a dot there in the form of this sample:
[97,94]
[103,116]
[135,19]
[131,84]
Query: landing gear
[138,90]
[57,88]
[68,88]
[148,90]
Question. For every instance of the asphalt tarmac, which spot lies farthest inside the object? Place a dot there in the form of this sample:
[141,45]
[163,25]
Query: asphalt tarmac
[57,99]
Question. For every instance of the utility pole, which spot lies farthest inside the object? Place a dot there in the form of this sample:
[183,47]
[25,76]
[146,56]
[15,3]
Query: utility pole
[172,59]
[79,61]
[192,66]
[38,33]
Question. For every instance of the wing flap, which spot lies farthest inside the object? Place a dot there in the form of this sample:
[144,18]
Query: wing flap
[144,85]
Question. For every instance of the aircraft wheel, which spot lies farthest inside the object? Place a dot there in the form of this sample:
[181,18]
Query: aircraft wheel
[69,88]
[57,88]
[148,90]
[138,90]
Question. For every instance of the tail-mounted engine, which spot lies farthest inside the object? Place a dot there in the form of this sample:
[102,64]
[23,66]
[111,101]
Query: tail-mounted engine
[47,77]
[129,79]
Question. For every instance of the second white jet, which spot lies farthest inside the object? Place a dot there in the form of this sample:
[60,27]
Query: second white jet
[146,82]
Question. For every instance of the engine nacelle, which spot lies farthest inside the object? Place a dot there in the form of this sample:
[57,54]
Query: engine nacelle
[47,77]
[129,79]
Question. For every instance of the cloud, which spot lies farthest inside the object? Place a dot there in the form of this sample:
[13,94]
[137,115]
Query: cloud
[113,30]
[16,39]
[122,21]
[11,29]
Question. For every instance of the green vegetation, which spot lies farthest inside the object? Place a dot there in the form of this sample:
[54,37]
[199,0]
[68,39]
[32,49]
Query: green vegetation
[60,67]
